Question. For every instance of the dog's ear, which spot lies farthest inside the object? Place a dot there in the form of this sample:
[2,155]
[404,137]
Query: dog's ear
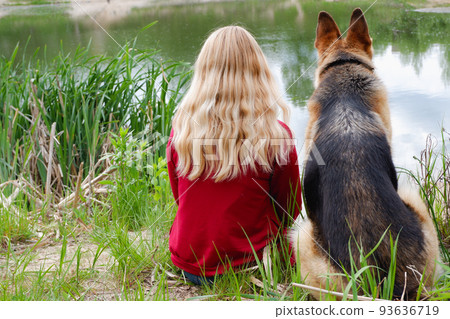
[358,32]
[327,32]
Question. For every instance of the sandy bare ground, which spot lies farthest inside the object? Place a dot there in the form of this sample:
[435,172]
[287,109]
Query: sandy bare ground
[102,284]
[435,10]
[436,3]
[98,4]
[107,11]
[435,6]
[104,11]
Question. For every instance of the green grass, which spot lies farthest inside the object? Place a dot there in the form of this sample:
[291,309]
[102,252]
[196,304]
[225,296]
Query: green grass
[433,178]
[86,97]
[103,218]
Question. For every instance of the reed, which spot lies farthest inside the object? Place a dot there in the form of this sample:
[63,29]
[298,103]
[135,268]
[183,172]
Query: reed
[86,98]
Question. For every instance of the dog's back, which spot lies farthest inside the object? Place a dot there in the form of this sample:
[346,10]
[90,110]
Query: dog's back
[352,200]
[354,195]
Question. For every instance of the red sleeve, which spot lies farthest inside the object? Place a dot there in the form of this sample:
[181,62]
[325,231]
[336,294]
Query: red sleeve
[172,158]
[285,188]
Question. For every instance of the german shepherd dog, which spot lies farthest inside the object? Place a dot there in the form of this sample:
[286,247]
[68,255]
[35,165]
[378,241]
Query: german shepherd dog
[353,199]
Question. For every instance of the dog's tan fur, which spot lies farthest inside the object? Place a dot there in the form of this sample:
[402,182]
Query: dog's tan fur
[315,267]
[412,198]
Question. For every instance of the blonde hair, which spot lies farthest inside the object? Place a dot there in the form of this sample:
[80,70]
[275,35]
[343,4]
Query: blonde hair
[230,107]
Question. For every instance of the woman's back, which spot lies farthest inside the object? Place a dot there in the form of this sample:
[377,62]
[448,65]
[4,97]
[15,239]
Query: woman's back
[230,160]
[219,224]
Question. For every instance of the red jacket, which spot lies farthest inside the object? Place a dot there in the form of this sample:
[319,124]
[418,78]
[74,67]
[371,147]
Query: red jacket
[216,222]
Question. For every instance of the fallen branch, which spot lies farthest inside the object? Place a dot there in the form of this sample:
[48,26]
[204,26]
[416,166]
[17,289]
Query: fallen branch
[84,185]
[260,284]
[334,293]
[36,192]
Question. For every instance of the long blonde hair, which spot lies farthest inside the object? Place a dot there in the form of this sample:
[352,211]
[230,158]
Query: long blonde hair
[227,121]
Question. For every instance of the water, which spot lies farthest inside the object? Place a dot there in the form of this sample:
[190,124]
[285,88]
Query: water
[411,49]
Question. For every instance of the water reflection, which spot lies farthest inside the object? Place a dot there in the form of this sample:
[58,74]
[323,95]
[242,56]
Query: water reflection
[419,99]
[412,51]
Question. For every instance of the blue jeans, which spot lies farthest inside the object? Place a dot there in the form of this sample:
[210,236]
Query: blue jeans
[198,280]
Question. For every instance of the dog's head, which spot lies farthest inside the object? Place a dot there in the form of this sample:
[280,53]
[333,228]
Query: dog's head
[330,44]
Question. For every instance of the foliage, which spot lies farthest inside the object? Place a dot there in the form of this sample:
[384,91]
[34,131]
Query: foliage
[86,97]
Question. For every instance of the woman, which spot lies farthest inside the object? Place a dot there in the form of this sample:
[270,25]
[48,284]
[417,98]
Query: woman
[232,164]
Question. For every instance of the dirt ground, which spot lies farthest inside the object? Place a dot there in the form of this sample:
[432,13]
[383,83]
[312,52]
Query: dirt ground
[436,3]
[101,286]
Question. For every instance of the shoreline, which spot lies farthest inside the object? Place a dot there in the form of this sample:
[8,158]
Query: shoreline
[18,3]
[102,10]
[108,10]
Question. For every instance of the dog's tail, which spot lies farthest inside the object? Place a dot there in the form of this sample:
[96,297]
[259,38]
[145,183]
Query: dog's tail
[411,198]
[294,233]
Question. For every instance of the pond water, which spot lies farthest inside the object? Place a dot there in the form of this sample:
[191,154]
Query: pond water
[411,48]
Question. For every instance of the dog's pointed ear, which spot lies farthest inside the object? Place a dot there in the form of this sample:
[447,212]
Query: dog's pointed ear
[358,32]
[327,32]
